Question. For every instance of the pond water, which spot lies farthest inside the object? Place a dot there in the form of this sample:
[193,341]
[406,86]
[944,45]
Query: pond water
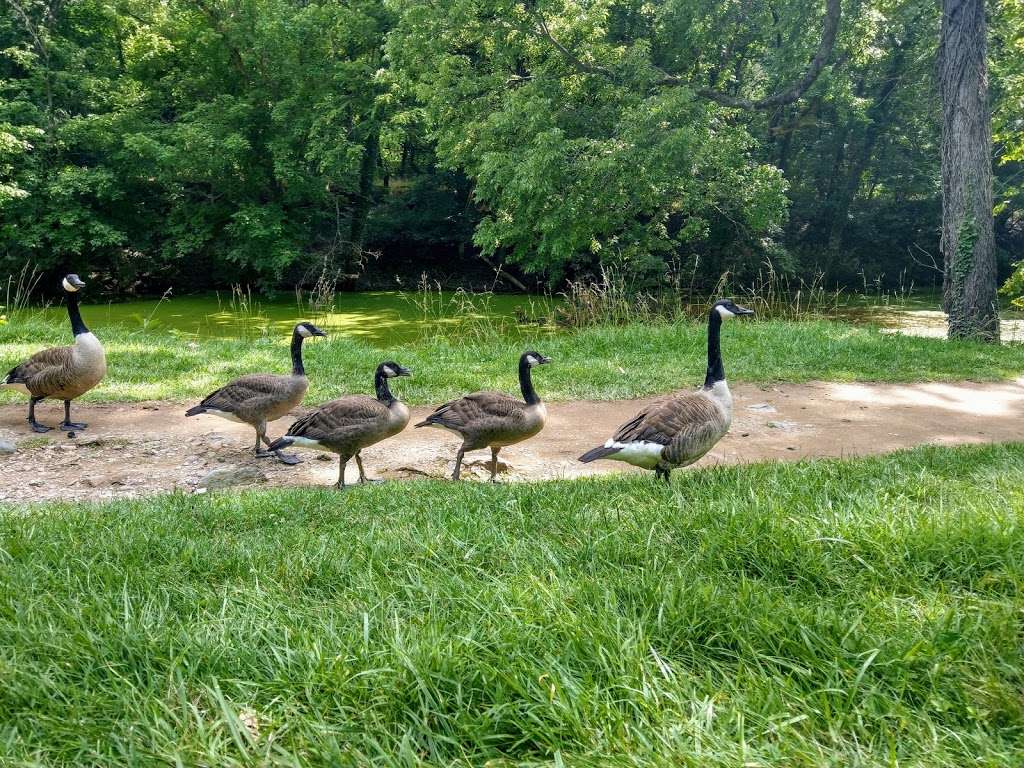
[920,315]
[380,317]
[385,318]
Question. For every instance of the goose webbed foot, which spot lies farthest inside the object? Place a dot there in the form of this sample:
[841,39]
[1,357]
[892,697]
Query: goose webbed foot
[287,458]
[262,454]
[68,425]
[40,428]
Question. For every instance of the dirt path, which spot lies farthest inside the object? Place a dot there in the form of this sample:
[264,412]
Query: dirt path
[141,448]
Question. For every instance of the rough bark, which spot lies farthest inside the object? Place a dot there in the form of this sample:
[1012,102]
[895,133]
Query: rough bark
[967,244]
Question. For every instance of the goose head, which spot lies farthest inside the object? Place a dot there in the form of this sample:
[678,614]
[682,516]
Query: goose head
[534,358]
[72,283]
[390,369]
[305,330]
[728,308]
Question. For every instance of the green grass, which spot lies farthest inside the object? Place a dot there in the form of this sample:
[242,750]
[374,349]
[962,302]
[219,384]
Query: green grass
[603,363]
[859,613]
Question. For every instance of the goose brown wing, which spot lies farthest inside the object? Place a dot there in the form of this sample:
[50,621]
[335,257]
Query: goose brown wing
[46,371]
[244,390]
[340,418]
[671,418]
[476,408]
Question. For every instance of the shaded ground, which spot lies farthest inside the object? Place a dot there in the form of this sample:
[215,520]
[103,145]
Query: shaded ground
[142,448]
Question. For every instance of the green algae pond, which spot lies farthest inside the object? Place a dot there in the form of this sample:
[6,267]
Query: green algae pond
[382,318]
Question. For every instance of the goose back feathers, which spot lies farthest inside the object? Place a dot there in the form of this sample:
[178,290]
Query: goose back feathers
[261,397]
[494,419]
[347,425]
[677,430]
[63,373]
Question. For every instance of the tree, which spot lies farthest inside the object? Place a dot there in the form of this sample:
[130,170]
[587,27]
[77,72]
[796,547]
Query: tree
[968,246]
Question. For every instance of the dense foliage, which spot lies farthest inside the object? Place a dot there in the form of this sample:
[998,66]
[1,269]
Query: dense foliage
[216,141]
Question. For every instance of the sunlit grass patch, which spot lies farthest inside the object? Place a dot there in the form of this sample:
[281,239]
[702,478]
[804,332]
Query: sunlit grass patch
[601,362]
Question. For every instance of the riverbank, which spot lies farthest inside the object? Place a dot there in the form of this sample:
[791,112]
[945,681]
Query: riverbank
[603,363]
[142,449]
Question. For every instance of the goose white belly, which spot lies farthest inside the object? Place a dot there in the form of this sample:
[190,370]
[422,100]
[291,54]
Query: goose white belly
[226,415]
[305,442]
[640,453]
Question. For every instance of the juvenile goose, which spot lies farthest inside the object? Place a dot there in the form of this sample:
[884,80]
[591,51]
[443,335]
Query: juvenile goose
[347,425]
[61,372]
[261,397]
[493,419]
[677,430]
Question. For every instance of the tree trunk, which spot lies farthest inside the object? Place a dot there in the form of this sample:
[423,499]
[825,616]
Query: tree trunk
[968,245]
[362,202]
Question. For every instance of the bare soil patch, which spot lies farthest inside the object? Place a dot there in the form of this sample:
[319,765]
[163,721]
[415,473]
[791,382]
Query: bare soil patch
[144,448]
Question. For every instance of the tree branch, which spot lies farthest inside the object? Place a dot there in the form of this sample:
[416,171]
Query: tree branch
[592,69]
[829,30]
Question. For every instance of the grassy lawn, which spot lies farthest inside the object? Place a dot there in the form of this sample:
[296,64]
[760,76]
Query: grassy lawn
[862,613]
[605,363]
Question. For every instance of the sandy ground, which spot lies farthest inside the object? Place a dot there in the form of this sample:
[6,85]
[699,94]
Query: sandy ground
[143,448]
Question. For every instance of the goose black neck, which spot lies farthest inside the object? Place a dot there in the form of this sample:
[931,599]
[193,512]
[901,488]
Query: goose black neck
[77,325]
[297,368]
[380,383]
[716,371]
[526,382]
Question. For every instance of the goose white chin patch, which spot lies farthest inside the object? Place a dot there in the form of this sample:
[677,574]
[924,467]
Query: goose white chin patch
[68,286]
[304,332]
[724,312]
[641,453]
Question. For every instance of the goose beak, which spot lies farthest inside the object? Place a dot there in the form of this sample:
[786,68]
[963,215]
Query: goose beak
[318,332]
[544,359]
[76,281]
[403,371]
[743,311]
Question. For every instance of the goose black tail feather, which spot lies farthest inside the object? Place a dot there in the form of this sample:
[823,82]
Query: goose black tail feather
[597,453]
[281,442]
[196,410]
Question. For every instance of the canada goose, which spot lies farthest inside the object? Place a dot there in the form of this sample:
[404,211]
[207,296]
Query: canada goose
[347,425]
[493,419]
[261,397]
[677,430]
[62,372]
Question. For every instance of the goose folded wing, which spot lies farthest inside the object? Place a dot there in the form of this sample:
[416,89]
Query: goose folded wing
[339,418]
[683,417]
[240,391]
[476,407]
[47,370]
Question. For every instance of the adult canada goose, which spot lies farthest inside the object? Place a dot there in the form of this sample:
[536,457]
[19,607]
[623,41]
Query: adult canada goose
[261,397]
[493,419]
[62,372]
[677,430]
[347,425]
